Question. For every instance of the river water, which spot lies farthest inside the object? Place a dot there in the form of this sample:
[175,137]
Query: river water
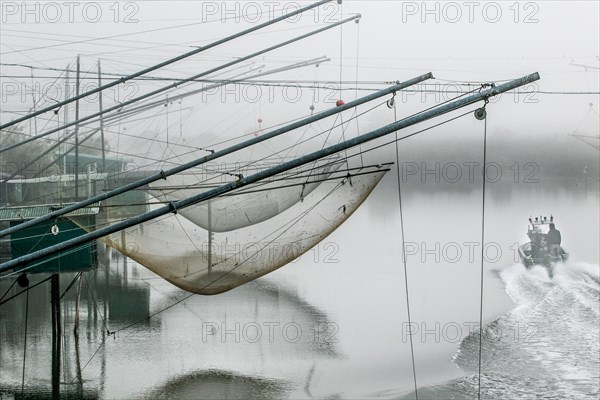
[334,324]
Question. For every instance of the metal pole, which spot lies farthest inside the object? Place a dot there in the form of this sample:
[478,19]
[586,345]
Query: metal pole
[177,84]
[165,63]
[45,152]
[174,206]
[34,102]
[221,153]
[210,237]
[77,131]
[101,118]
[66,119]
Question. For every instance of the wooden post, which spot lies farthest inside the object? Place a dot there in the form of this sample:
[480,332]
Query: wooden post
[56,334]
[77,302]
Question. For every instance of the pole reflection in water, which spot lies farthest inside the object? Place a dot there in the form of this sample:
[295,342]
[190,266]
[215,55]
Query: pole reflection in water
[139,335]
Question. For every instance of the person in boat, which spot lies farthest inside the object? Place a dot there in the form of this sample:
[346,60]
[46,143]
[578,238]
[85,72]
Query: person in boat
[553,239]
[537,241]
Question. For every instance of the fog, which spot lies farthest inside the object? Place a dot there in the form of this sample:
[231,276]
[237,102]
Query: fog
[352,289]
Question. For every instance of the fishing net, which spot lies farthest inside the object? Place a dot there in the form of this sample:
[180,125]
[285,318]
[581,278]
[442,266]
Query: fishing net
[283,222]
[242,209]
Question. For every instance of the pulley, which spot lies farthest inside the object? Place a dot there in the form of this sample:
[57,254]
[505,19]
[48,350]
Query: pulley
[480,113]
[23,280]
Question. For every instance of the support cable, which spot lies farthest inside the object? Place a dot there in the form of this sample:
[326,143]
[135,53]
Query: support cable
[340,101]
[412,349]
[356,88]
[482,251]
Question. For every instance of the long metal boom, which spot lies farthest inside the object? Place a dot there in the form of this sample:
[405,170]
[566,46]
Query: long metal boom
[164,63]
[174,206]
[183,81]
[215,155]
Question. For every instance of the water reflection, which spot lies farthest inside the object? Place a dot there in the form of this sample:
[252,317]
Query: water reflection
[215,384]
[132,323]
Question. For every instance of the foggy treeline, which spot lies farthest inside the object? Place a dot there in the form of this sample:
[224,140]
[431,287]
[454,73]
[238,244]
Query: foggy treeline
[451,161]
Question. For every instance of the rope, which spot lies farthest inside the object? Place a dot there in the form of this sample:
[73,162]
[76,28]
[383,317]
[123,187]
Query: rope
[591,109]
[356,88]
[412,350]
[25,343]
[482,259]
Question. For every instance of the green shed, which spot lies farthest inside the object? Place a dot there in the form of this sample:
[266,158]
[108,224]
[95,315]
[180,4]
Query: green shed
[50,233]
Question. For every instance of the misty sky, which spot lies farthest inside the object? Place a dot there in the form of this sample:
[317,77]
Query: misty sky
[396,40]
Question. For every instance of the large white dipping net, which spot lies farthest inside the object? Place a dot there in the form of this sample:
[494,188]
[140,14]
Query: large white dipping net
[243,209]
[229,240]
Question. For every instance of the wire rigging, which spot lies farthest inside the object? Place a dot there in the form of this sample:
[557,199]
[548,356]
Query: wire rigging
[412,349]
[482,254]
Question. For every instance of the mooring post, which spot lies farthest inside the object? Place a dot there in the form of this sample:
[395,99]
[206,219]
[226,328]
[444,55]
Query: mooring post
[77,302]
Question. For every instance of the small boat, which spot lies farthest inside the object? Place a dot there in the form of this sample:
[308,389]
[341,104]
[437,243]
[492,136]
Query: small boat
[544,246]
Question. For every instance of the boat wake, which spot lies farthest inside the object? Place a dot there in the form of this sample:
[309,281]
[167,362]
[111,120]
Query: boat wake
[546,347]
